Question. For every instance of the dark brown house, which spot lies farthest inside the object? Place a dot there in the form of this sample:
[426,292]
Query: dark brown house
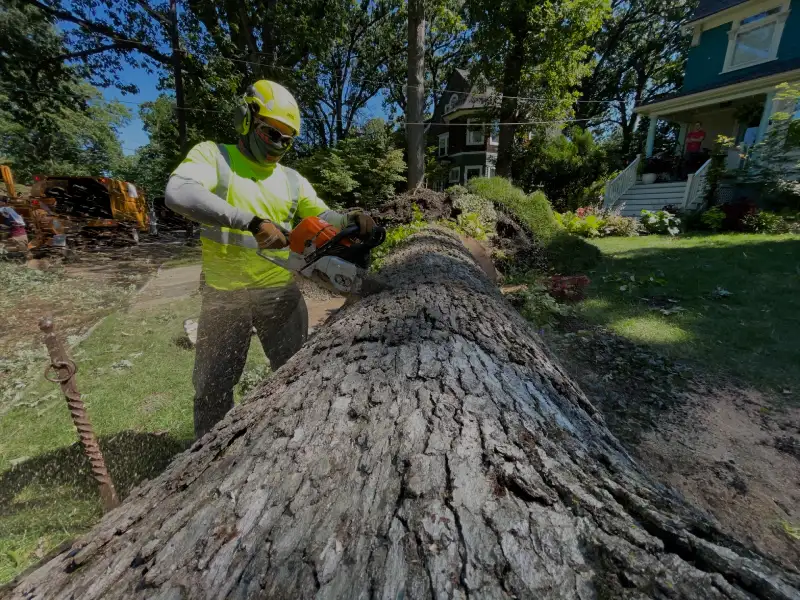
[463,132]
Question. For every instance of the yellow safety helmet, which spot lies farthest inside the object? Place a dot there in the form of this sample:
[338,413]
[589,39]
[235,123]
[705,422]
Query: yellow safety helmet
[267,99]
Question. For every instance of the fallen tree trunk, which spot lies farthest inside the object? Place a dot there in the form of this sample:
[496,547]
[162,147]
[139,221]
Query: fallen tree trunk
[421,445]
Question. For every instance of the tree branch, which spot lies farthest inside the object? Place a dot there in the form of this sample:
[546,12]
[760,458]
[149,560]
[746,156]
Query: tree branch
[98,50]
[104,30]
[154,13]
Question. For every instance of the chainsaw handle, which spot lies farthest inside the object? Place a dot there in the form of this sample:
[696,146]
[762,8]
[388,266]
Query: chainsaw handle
[349,231]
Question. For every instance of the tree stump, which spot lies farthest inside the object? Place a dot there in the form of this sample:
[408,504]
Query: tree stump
[423,444]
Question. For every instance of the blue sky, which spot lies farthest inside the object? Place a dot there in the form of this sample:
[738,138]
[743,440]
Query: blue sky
[132,135]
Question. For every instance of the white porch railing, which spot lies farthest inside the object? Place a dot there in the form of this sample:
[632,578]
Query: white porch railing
[621,183]
[696,187]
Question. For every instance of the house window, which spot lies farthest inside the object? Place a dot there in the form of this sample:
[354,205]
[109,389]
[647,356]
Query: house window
[755,39]
[455,175]
[494,133]
[490,171]
[470,172]
[451,104]
[474,134]
[444,140]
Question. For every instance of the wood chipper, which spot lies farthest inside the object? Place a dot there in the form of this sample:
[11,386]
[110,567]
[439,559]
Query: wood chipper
[93,208]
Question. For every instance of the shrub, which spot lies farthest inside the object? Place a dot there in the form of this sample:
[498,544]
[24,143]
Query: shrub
[764,222]
[565,253]
[735,213]
[532,210]
[361,170]
[571,169]
[539,307]
[660,222]
[584,226]
[468,224]
[713,218]
[593,221]
[771,166]
[456,190]
[692,220]
[619,226]
[482,208]
[396,235]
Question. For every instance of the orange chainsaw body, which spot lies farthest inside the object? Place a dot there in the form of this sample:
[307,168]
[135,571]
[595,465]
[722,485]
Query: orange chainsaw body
[312,233]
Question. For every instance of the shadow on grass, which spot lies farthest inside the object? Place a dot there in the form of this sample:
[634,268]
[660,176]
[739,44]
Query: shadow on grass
[727,302]
[131,457]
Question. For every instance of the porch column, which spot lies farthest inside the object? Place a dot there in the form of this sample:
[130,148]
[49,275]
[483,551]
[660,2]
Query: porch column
[682,139]
[651,136]
[765,115]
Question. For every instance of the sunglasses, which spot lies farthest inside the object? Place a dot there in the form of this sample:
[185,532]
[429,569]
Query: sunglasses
[274,135]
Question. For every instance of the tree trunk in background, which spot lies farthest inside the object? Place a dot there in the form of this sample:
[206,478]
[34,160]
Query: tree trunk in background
[415,131]
[512,72]
[421,445]
[180,101]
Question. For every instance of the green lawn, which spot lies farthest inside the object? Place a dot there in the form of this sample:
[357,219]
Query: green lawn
[141,410]
[729,302]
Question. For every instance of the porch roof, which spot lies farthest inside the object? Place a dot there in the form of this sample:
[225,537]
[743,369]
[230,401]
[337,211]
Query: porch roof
[738,85]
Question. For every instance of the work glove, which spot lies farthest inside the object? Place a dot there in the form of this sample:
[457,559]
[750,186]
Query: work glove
[267,234]
[365,223]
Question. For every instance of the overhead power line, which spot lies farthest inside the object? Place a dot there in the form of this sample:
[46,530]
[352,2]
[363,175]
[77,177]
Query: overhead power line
[382,84]
[476,125]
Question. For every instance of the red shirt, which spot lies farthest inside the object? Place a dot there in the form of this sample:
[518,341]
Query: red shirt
[694,140]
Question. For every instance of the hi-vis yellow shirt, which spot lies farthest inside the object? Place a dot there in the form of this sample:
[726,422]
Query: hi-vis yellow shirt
[272,192]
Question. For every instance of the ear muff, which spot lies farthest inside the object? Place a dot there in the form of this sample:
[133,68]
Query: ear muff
[243,114]
[242,118]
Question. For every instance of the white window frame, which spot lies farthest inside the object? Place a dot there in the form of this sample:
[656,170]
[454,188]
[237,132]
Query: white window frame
[443,137]
[779,19]
[494,139]
[457,178]
[472,130]
[469,168]
[451,104]
[490,171]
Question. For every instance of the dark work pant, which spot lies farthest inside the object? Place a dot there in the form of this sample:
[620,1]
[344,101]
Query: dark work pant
[223,338]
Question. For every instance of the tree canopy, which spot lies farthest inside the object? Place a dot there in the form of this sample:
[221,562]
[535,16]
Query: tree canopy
[51,119]
[551,63]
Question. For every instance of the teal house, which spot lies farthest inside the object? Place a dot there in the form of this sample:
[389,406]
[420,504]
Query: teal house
[740,51]
[461,131]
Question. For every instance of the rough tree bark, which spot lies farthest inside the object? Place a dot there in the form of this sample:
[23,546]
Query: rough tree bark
[422,444]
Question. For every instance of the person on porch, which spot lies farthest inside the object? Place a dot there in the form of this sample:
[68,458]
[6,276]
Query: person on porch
[694,157]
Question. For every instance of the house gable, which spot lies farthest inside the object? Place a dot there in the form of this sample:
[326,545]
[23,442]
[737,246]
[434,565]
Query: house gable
[721,46]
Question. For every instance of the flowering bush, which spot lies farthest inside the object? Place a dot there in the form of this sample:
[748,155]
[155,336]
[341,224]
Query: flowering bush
[660,222]
[593,221]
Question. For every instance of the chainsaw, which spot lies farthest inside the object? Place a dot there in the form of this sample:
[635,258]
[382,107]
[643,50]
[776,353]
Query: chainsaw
[337,260]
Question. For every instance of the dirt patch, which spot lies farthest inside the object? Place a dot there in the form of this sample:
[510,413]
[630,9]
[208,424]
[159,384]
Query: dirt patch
[512,246]
[728,451]
[433,205]
[723,457]
[634,387]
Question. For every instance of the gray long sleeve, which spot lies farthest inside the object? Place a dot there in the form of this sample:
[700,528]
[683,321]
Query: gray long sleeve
[189,198]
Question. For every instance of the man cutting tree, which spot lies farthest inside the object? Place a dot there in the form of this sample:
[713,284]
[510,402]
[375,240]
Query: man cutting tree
[245,200]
